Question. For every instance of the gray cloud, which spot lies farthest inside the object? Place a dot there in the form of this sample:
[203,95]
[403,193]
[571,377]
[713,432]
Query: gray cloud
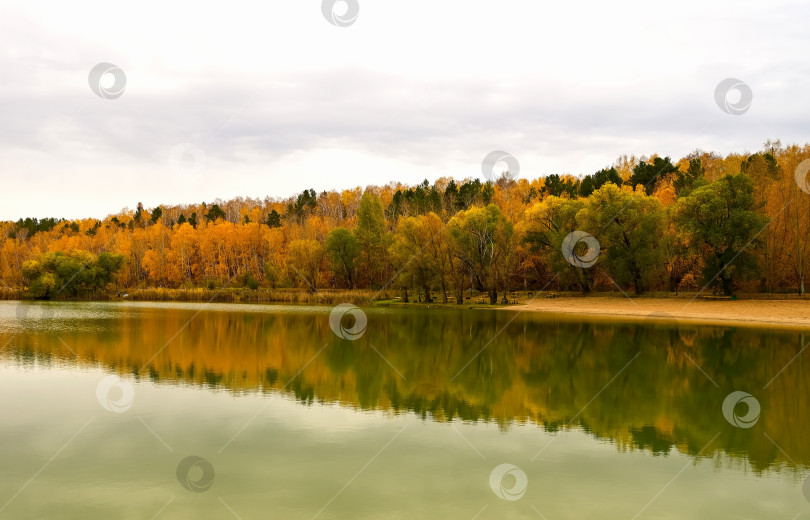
[572,104]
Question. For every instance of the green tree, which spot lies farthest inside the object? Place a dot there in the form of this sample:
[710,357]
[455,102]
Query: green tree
[411,255]
[761,167]
[56,273]
[480,239]
[156,214]
[396,208]
[547,224]
[342,249]
[138,213]
[648,174]
[451,197]
[434,201]
[214,213]
[33,225]
[692,178]
[304,204]
[555,186]
[597,180]
[719,220]
[468,194]
[487,193]
[630,228]
[274,219]
[372,237]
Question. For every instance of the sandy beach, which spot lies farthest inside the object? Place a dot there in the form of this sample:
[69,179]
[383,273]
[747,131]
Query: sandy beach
[779,313]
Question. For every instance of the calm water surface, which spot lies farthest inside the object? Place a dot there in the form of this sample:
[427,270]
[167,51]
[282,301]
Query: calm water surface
[101,406]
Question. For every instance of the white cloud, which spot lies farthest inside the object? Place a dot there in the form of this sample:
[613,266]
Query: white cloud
[280,100]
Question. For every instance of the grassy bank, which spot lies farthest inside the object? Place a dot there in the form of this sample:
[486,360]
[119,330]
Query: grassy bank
[326,296]
[8,293]
[535,300]
[225,295]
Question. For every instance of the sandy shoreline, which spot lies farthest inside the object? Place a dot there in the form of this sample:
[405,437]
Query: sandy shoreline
[769,313]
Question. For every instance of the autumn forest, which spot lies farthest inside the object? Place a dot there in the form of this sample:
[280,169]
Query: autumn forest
[705,222]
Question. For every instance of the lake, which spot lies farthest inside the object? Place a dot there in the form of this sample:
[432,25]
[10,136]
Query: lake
[148,410]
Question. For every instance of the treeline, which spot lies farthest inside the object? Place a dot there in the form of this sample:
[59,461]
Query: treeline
[739,222]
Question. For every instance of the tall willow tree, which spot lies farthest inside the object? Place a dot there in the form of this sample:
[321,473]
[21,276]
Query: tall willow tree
[342,249]
[630,227]
[412,256]
[372,236]
[547,224]
[719,221]
[480,238]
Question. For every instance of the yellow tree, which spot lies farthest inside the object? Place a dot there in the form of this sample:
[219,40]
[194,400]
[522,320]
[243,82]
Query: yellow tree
[276,255]
[305,261]
[481,238]
[412,257]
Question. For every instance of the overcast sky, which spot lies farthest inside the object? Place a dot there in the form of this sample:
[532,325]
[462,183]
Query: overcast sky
[270,98]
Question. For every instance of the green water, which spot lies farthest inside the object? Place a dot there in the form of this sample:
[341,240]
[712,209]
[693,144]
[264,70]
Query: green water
[102,404]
